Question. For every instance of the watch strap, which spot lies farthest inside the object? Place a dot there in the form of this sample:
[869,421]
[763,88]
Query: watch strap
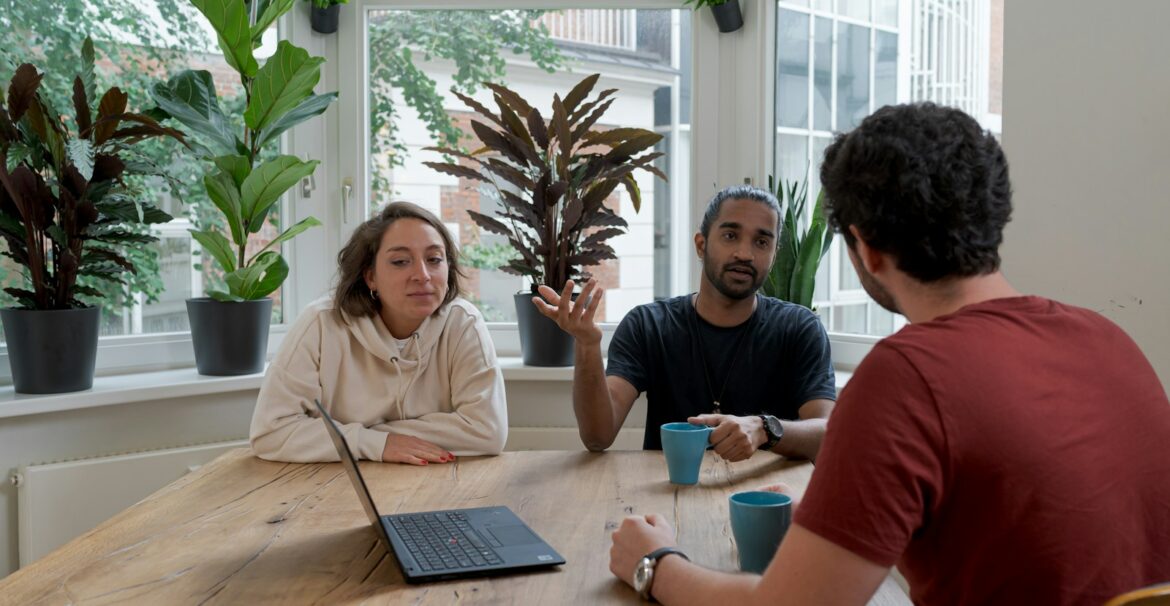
[773,438]
[654,556]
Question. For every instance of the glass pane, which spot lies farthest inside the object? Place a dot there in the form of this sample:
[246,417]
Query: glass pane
[881,322]
[796,2]
[818,155]
[886,12]
[136,48]
[857,9]
[411,107]
[849,318]
[821,288]
[885,70]
[791,157]
[848,279]
[823,5]
[852,76]
[792,69]
[823,75]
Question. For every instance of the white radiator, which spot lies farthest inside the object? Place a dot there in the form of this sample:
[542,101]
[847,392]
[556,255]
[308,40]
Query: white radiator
[60,501]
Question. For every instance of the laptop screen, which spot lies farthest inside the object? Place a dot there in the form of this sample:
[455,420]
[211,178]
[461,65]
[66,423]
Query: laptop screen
[355,476]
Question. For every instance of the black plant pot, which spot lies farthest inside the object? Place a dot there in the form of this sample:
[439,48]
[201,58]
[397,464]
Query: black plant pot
[324,20]
[727,16]
[542,342]
[51,351]
[230,338]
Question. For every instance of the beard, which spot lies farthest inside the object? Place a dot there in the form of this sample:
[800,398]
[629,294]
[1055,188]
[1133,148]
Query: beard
[719,278]
[874,289]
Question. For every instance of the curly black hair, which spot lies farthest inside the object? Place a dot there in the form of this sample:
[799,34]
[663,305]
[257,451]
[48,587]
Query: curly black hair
[924,183]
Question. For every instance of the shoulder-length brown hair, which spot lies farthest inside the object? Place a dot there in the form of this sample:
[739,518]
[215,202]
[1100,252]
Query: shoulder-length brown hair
[352,295]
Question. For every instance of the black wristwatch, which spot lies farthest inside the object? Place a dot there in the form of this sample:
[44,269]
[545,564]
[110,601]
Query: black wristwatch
[644,573]
[773,430]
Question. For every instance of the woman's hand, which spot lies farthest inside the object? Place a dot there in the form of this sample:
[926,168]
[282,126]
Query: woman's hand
[412,450]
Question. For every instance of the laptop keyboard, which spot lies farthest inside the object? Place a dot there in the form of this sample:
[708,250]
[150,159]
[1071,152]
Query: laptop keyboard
[443,541]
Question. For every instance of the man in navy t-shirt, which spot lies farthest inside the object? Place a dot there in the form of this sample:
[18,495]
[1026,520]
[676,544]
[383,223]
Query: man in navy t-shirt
[756,368]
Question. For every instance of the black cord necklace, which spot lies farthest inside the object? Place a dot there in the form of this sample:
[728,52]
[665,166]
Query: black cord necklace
[716,401]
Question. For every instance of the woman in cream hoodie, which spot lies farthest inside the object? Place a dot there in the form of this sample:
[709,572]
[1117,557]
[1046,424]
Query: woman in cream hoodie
[404,366]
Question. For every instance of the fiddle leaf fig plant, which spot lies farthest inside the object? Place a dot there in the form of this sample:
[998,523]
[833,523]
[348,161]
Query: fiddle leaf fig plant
[66,208]
[242,184]
[552,177]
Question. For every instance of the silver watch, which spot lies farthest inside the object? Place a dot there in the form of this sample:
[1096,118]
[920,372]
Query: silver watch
[644,573]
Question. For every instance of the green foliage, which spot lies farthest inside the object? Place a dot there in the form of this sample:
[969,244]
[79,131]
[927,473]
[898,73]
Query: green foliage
[66,213]
[801,245]
[475,41]
[243,181]
[486,256]
[563,172]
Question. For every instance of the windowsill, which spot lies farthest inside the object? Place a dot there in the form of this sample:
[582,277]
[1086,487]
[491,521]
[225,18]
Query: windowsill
[185,382]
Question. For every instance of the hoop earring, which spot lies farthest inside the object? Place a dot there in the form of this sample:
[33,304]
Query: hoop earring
[373,294]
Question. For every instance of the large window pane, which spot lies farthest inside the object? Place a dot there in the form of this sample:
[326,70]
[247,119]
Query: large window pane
[855,9]
[418,56]
[852,75]
[886,12]
[885,70]
[792,69]
[823,75]
[791,157]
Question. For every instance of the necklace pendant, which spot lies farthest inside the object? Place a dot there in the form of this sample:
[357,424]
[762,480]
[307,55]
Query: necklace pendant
[717,411]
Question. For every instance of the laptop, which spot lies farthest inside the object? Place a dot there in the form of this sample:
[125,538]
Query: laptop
[452,543]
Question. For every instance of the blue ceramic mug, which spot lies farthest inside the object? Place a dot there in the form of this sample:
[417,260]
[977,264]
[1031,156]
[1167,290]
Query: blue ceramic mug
[759,521]
[684,444]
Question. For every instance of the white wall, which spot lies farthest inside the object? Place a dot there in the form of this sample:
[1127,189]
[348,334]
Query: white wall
[1087,134]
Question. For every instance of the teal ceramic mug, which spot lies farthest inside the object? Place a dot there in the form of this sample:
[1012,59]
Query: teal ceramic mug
[684,444]
[759,521]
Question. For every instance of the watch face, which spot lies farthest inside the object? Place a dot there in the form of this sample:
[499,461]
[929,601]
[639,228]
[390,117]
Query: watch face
[642,574]
[774,427]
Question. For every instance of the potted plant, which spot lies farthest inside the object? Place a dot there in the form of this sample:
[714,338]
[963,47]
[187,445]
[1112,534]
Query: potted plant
[229,329]
[726,12]
[323,15]
[552,179]
[66,213]
[801,245]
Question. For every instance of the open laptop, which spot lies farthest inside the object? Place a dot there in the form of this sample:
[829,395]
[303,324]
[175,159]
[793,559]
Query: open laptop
[448,544]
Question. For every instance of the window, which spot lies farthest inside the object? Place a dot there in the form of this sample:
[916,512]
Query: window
[415,57]
[837,64]
[137,45]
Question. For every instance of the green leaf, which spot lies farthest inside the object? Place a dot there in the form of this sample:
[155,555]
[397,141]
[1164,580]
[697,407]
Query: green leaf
[267,184]
[220,295]
[290,233]
[312,106]
[217,246]
[287,78]
[224,194]
[190,98]
[268,16]
[260,278]
[88,77]
[230,20]
[81,155]
[236,166]
[805,275]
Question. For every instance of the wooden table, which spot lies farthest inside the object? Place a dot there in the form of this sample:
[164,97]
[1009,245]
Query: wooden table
[245,531]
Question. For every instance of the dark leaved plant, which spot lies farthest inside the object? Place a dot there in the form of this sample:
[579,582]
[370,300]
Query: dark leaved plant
[65,209]
[552,177]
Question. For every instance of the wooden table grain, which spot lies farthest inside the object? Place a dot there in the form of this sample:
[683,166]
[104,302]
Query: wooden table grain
[245,531]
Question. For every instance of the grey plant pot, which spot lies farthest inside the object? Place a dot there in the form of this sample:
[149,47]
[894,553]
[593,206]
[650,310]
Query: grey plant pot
[230,338]
[542,342]
[324,20]
[52,351]
[727,16]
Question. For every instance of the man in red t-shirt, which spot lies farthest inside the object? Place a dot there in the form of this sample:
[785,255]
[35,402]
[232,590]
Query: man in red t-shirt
[1001,449]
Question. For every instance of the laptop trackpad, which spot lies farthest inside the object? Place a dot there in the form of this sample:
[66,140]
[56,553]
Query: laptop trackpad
[512,535]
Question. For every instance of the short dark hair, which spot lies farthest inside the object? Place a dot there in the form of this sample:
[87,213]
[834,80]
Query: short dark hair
[924,183]
[352,295]
[739,192]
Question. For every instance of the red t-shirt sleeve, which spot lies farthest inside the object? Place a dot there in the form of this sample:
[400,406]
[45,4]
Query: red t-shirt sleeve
[879,474]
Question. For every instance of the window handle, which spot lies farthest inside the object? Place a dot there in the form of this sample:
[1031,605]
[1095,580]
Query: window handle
[346,192]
